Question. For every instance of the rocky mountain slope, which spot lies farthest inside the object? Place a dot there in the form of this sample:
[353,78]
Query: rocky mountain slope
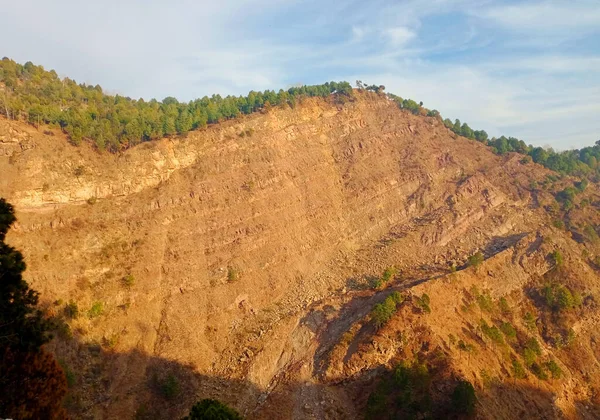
[240,262]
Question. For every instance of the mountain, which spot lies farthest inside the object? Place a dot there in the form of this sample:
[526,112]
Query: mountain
[334,259]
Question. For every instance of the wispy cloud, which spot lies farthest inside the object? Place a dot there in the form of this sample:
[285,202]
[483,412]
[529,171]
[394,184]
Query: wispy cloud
[546,16]
[358,33]
[559,64]
[399,36]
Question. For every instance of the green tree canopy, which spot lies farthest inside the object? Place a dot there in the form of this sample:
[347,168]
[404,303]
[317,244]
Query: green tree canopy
[116,122]
[209,409]
[463,398]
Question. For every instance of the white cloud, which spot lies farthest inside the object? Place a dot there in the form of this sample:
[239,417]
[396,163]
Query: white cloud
[399,36]
[531,107]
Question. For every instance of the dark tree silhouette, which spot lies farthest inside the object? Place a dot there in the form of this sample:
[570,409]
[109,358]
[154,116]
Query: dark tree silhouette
[32,384]
[463,398]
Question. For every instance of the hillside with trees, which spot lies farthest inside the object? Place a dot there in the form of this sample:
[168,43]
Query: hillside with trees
[578,162]
[31,93]
[112,122]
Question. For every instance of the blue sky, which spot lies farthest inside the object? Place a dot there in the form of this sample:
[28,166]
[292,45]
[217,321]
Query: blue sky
[529,69]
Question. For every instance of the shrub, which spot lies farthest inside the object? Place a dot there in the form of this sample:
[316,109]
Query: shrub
[412,382]
[96,310]
[209,409]
[529,357]
[476,259]
[508,330]
[581,185]
[249,185]
[529,321]
[518,370]
[492,332]
[531,351]
[585,254]
[557,258]
[71,310]
[62,329]
[69,374]
[376,282]
[376,404]
[463,398]
[504,307]
[554,369]
[558,297]
[383,312]
[423,303]
[558,224]
[485,302]
[570,337]
[128,281]
[539,371]
[169,388]
[591,234]
[389,274]
[568,205]
[398,298]
[534,346]
[567,195]
[462,346]
[558,340]
[232,274]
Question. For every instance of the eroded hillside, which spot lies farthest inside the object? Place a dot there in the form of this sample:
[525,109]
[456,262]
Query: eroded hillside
[239,263]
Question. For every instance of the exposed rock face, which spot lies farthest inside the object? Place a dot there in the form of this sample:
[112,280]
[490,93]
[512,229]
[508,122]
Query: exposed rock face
[230,239]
